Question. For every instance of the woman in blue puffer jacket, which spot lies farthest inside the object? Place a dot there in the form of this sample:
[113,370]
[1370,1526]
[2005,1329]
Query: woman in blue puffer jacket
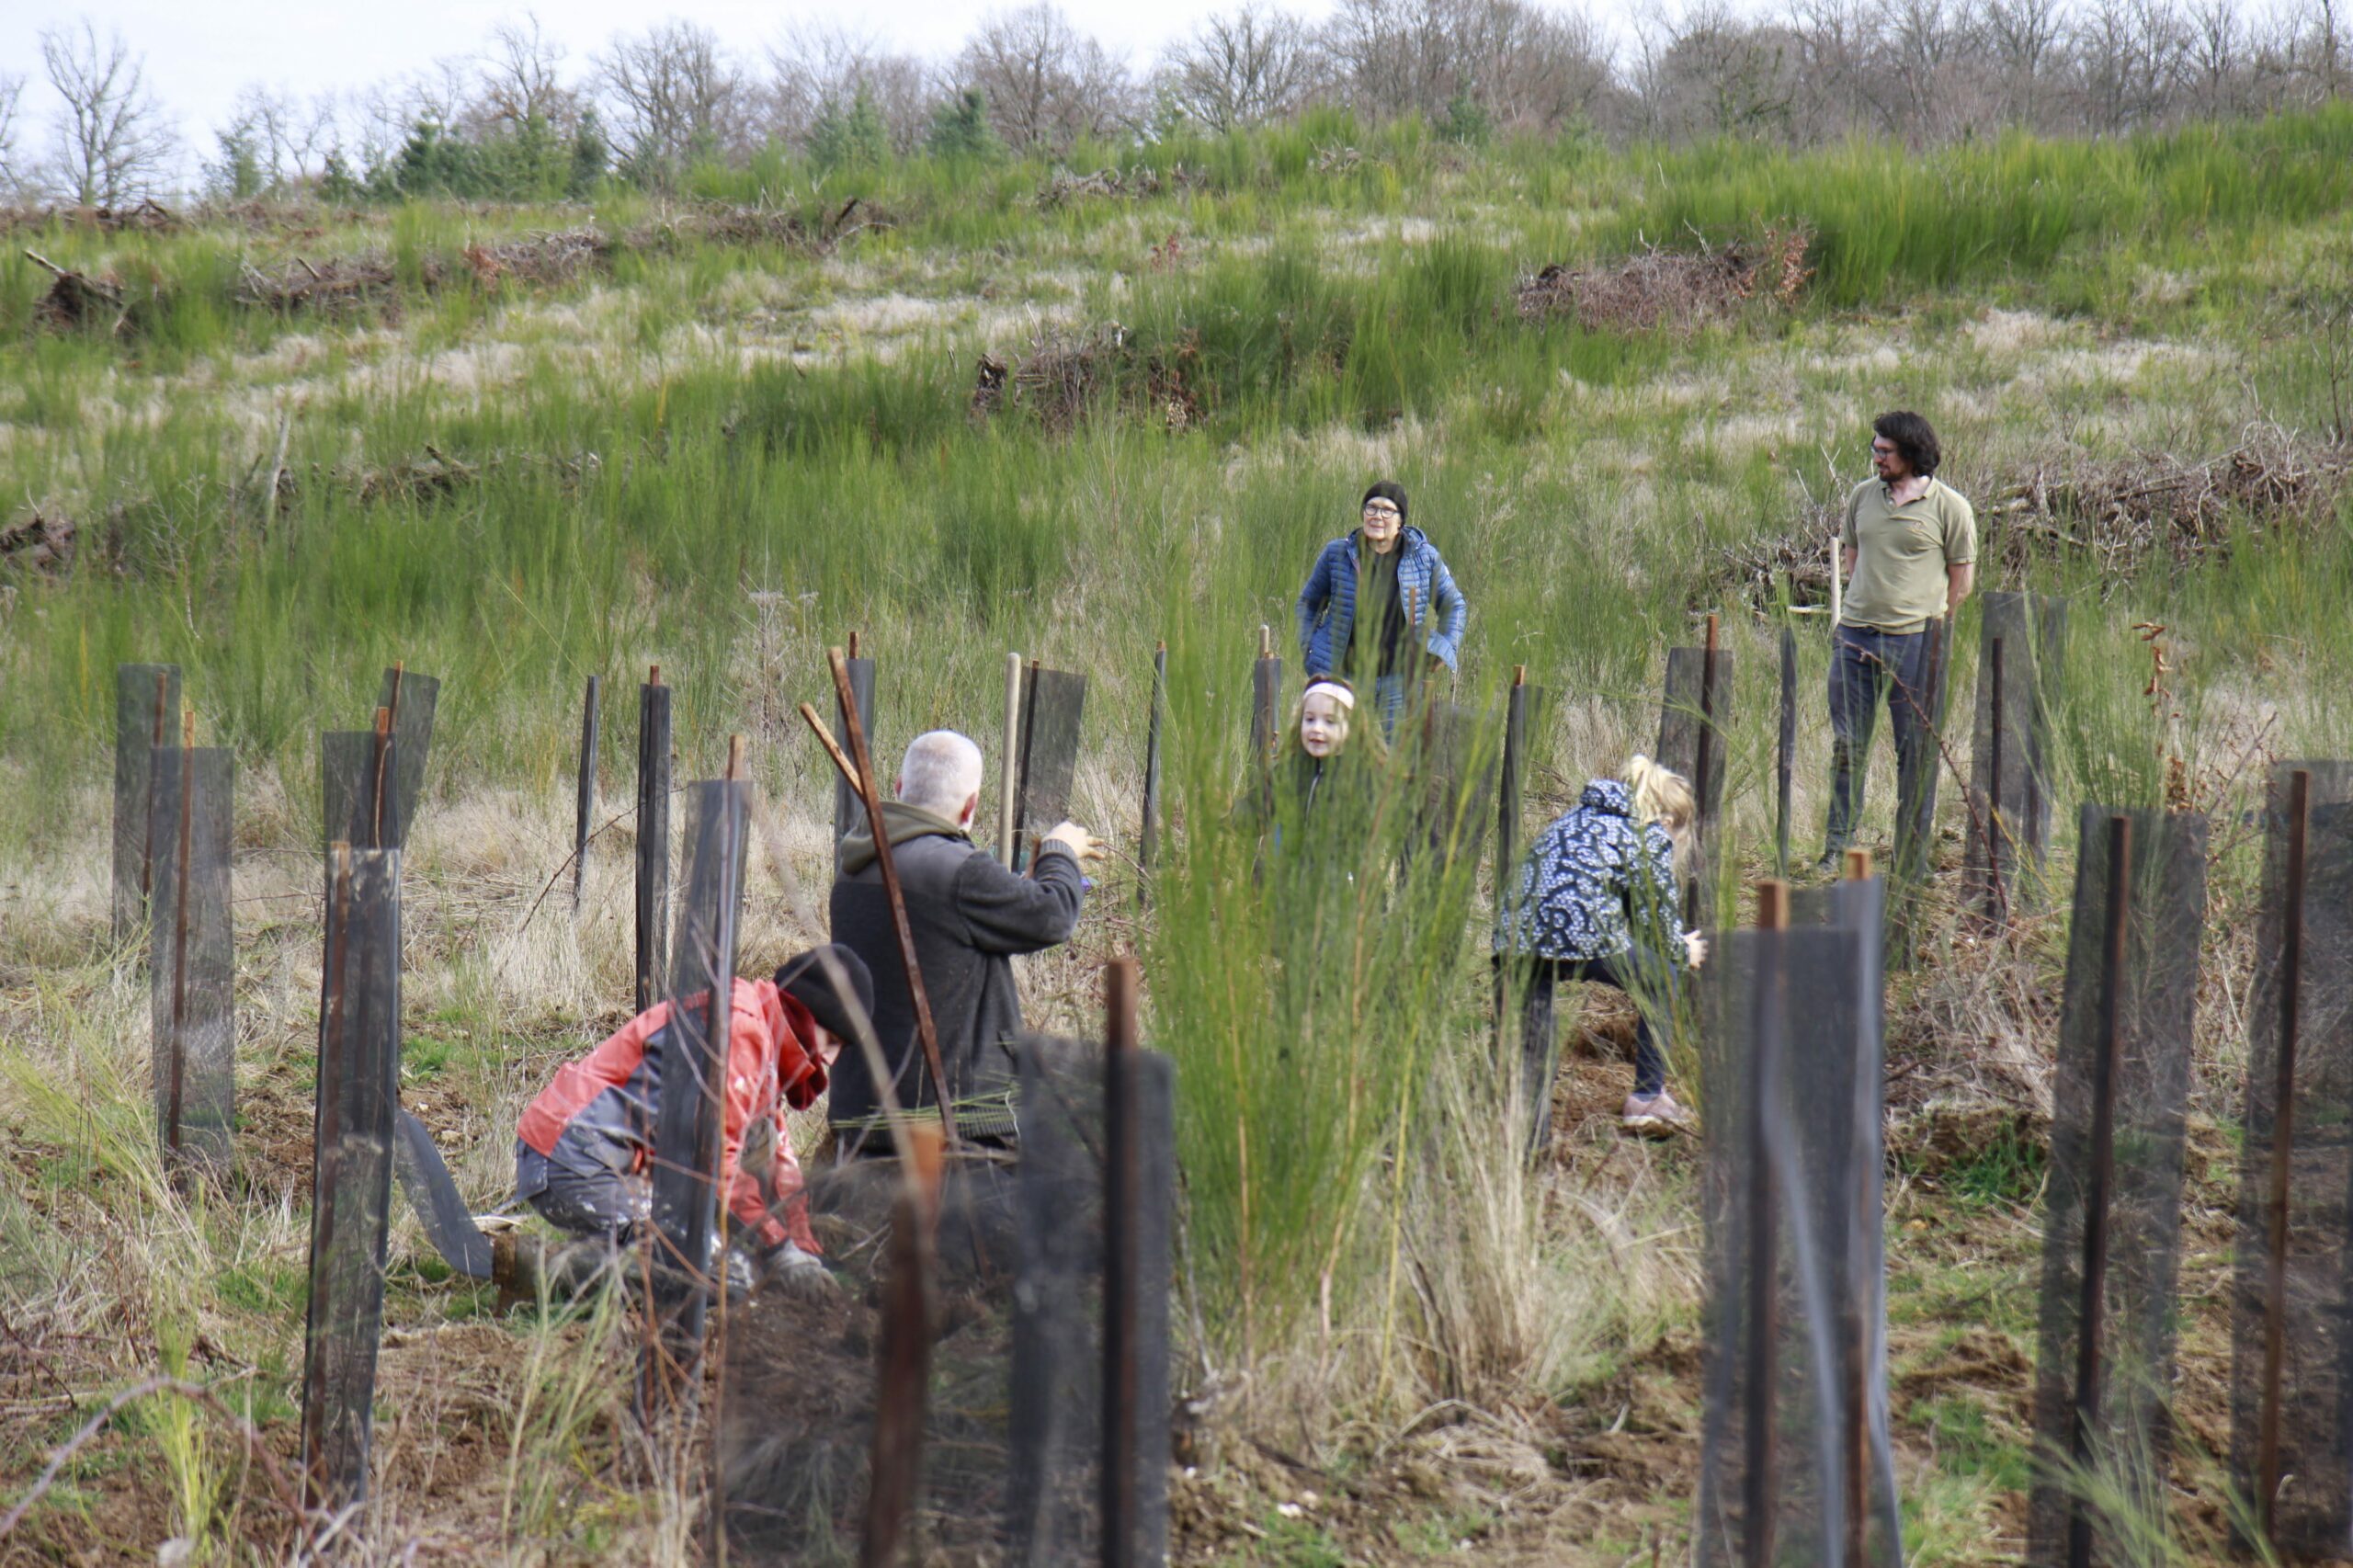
[1411,606]
[1597,901]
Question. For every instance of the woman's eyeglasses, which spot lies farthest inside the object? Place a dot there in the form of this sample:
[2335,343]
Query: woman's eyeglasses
[1380,508]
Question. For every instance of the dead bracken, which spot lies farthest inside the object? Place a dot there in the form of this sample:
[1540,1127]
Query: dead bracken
[1672,290]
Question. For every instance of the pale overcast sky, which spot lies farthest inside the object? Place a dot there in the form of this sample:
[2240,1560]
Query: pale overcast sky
[199,56]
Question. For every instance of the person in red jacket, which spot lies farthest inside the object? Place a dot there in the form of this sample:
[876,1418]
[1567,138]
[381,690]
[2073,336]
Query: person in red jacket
[585,1146]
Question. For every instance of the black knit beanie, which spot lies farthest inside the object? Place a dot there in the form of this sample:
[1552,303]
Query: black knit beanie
[1387,490]
[806,980]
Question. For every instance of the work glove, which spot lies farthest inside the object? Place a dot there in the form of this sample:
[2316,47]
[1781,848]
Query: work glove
[1077,841]
[788,1263]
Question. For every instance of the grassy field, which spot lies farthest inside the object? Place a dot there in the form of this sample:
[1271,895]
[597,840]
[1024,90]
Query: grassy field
[719,443]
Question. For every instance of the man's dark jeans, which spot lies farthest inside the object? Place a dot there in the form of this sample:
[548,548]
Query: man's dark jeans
[1647,981]
[1866,666]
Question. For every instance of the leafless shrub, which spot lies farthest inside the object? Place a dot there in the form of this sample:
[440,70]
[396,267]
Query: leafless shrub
[1674,290]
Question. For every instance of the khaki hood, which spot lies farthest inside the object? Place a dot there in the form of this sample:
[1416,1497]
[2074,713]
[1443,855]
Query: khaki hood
[901,822]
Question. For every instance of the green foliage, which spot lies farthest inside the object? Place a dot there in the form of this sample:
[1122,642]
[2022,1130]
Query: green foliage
[237,173]
[851,138]
[1467,120]
[961,132]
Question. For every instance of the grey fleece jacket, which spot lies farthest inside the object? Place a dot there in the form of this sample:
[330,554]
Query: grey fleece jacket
[969,915]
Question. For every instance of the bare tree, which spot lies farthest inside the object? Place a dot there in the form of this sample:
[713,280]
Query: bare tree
[1045,83]
[1712,73]
[675,96]
[113,142]
[1521,65]
[1242,67]
[2024,39]
[2324,47]
[817,71]
[2130,54]
[291,136]
[12,97]
[521,79]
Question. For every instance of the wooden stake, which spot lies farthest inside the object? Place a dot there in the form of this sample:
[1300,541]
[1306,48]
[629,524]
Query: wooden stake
[1010,765]
[847,768]
[925,1033]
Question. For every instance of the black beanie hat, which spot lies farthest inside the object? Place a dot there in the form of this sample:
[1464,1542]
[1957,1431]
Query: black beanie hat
[806,980]
[1387,490]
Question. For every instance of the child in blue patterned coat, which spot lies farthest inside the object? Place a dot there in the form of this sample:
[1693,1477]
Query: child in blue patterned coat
[1596,901]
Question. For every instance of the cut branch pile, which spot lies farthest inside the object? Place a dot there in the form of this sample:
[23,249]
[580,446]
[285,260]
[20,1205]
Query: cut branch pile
[76,299]
[343,285]
[1055,381]
[39,542]
[542,258]
[1063,375]
[149,217]
[2123,512]
[1065,187]
[1675,290]
[437,476]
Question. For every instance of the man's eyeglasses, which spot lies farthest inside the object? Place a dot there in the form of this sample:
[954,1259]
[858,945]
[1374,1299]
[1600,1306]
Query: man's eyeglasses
[1880,452]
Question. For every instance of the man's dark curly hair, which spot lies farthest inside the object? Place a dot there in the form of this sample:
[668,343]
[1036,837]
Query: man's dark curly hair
[1914,437]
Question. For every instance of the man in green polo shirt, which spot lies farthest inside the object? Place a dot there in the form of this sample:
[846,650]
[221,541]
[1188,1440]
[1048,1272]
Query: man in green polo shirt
[1908,552]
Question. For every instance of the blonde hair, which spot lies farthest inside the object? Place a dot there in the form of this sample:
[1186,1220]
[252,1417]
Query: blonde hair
[1661,795]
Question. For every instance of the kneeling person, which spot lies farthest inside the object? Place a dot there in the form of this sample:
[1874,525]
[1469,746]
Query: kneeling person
[585,1148]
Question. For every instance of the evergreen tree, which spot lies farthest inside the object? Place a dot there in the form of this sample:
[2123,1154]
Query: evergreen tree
[591,156]
[960,129]
[855,139]
[1467,120]
[337,182]
[238,175]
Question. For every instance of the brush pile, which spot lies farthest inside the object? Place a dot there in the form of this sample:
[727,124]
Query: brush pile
[1055,381]
[544,258]
[1065,374]
[341,285]
[78,299]
[1671,291]
[2123,512]
[37,543]
[149,216]
[1065,187]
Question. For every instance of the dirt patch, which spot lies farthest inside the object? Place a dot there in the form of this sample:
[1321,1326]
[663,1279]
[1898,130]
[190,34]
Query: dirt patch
[1672,290]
